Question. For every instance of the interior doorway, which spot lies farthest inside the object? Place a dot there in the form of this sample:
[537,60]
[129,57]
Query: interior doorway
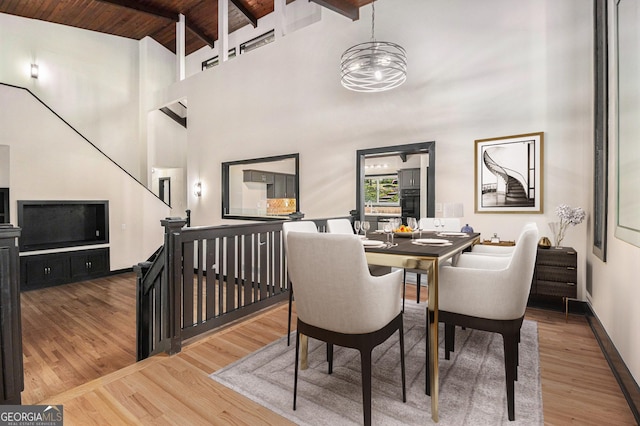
[421,156]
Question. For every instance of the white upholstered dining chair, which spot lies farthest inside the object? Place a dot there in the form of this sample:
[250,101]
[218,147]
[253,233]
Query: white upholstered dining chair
[339,302]
[339,226]
[294,226]
[489,293]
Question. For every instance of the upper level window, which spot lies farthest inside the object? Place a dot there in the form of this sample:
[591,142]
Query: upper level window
[212,62]
[257,42]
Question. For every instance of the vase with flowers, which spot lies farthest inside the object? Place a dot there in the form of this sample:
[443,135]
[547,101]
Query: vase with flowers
[569,216]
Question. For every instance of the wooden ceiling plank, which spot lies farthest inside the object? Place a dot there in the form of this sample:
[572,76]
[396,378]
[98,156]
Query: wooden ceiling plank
[246,12]
[134,5]
[343,7]
[200,33]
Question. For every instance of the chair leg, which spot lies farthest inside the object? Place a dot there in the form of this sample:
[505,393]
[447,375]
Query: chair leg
[365,357]
[449,339]
[330,357]
[418,287]
[510,343]
[295,374]
[289,322]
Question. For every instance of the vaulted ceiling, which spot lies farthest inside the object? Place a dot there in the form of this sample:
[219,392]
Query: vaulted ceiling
[137,19]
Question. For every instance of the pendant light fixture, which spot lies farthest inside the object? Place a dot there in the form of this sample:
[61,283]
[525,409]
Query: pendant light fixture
[374,66]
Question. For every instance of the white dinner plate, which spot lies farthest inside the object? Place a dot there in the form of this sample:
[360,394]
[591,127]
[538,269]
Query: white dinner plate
[373,243]
[453,234]
[430,241]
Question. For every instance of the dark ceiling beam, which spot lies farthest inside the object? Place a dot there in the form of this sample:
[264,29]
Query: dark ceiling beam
[150,10]
[246,12]
[200,34]
[343,7]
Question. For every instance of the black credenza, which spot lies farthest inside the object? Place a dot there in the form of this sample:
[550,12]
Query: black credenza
[45,270]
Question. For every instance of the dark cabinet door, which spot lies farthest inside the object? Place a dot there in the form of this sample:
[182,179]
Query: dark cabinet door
[280,185]
[409,178]
[44,271]
[291,187]
[90,263]
[257,176]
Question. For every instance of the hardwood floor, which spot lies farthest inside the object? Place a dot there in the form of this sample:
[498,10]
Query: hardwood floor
[79,344]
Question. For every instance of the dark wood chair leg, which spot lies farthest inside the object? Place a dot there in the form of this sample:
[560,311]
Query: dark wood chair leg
[510,343]
[365,357]
[295,374]
[289,322]
[330,357]
[418,287]
[449,339]
[404,380]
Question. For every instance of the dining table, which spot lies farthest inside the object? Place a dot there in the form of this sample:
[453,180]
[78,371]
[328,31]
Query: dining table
[424,251]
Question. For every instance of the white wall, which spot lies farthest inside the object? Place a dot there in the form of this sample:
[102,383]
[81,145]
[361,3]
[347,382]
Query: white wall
[90,79]
[5,151]
[49,161]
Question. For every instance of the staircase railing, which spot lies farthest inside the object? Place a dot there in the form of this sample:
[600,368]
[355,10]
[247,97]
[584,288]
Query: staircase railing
[205,277]
[504,172]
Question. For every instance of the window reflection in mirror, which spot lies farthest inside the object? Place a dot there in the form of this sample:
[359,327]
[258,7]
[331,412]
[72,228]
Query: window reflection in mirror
[261,188]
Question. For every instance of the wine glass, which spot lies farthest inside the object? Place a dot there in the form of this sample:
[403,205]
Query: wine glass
[365,227]
[388,229]
[436,224]
[413,224]
[356,226]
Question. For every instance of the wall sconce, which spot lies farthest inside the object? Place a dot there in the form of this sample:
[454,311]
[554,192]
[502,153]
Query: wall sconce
[197,189]
[34,71]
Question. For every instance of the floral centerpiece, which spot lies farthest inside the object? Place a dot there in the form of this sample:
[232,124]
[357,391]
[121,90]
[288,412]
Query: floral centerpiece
[569,216]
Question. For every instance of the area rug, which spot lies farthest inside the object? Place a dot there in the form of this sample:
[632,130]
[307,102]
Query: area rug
[472,383]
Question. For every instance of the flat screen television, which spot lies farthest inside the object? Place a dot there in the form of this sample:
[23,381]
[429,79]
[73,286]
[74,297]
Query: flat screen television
[57,224]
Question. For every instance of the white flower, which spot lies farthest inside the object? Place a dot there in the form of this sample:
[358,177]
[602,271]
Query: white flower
[568,216]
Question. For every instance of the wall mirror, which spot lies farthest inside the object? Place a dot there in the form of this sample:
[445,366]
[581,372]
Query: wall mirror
[395,181]
[628,97]
[261,188]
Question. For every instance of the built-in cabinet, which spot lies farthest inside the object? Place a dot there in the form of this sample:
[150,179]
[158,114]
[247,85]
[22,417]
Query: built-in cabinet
[45,270]
[409,178]
[257,176]
[279,185]
[284,186]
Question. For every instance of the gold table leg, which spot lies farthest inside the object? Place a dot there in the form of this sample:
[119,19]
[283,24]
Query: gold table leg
[433,340]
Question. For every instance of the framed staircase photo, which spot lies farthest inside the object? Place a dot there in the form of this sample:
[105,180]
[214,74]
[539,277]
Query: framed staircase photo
[508,174]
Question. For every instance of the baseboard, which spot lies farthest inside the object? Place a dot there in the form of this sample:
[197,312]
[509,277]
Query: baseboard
[628,385]
[119,271]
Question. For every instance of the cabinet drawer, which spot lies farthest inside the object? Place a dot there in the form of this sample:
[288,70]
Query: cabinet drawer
[556,273]
[555,288]
[557,257]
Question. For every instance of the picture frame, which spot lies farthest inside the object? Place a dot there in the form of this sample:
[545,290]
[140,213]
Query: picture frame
[509,174]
